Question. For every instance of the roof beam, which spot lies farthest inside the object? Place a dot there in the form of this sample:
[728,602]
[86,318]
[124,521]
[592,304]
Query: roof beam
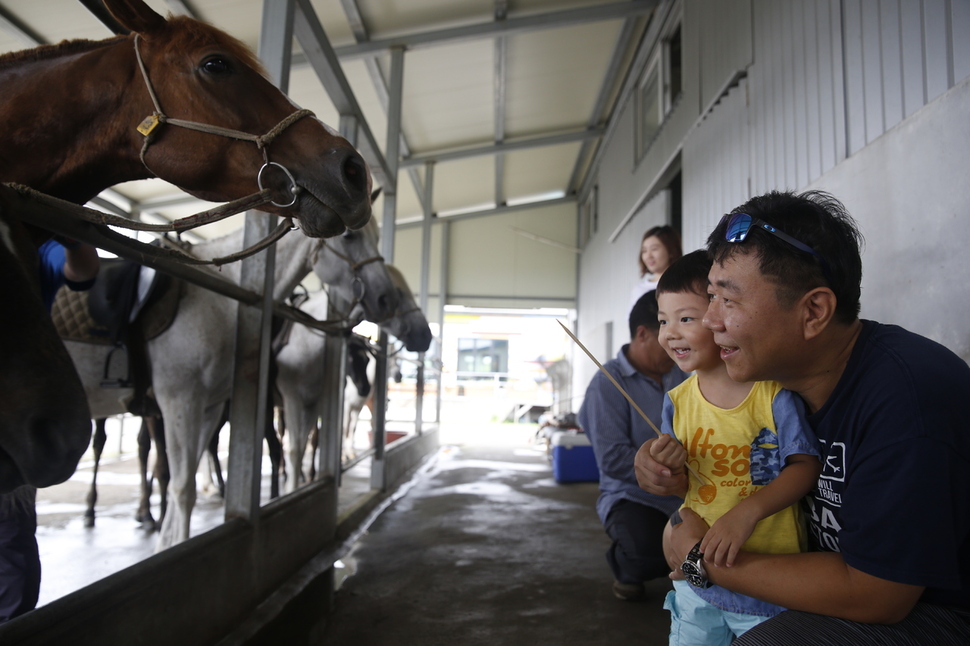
[182,8]
[613,77]
[498,210]
[320,54]
[361,35]
[503,147]
[97,8]
[16,28]
[646,47]
[500,83]
[507,27]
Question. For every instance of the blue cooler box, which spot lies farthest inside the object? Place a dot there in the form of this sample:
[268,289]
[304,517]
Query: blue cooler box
[572,458]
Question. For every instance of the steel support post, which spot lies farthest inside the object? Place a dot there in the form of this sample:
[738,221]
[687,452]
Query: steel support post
[249,411]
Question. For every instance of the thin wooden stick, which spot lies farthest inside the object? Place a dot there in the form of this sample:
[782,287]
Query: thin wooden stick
[624,393]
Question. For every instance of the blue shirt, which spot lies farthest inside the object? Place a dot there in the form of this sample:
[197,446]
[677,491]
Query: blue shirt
[616,431]
[52,259]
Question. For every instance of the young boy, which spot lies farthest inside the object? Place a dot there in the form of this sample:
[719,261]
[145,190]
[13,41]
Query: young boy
[751,446]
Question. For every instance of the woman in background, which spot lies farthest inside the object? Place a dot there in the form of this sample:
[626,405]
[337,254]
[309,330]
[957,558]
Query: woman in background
[659,248]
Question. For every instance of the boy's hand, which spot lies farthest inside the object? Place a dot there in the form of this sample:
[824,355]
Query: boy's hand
[669,452]
[728,533]
[657,478]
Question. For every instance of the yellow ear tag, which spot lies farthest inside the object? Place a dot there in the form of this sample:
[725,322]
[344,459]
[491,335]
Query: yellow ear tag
[148,125]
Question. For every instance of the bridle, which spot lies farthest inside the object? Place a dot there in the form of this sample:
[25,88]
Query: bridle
[358,284]
[150,123]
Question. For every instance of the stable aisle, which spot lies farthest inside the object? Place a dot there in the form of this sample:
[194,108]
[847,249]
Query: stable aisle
[485,548]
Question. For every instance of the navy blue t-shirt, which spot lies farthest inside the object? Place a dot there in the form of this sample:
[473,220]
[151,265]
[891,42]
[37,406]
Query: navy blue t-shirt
[894,492]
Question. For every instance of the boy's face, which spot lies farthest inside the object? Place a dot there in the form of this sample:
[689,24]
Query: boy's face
[682,333]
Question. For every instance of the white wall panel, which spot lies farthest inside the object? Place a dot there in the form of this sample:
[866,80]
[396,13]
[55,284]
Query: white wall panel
[847,95]
[716,167]
[725,45]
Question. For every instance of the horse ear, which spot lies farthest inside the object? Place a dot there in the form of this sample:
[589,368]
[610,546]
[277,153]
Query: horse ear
[377,191]
[136,15]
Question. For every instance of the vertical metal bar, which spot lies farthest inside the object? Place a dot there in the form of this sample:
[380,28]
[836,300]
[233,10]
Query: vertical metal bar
[442,300]
[393,153]
[378,476]
[425,286]
[332,404]
[249,409]
[335,370]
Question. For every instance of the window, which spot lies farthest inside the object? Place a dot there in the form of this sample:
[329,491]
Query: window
[659,90]
[482,358]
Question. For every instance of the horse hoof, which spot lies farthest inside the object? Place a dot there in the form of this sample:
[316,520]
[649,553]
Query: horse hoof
[89,520]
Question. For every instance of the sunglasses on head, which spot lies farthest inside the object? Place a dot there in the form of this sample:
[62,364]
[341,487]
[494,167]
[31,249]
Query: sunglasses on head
[740,224]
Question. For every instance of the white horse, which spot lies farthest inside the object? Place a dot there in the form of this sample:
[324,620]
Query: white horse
[300,379]
[192,361]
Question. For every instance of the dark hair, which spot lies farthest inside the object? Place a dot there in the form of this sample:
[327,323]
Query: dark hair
[816,219]
[670,239]
[689,274]
[644,313]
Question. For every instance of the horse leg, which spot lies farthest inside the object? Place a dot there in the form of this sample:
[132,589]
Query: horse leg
[189,426]
[301,417]
[144,515]
[275,456]
[156,428]
[215,466]
[281,431]
[314,445]
[97,445]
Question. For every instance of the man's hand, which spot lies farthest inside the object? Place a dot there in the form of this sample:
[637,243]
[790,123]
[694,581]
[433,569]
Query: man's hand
[681,537]
[657,478]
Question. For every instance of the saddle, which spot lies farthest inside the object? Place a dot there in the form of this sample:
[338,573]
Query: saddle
[127,306]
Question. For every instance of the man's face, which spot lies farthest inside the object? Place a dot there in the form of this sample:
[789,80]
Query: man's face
[756,335]
[650,355]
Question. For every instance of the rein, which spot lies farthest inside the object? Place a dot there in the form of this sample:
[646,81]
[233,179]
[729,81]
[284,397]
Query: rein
[148,126]
[178,226]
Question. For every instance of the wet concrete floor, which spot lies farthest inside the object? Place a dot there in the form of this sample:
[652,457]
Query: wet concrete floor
[485,548]
[482,546]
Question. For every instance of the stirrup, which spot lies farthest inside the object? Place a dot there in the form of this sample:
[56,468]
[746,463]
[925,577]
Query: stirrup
[106,380]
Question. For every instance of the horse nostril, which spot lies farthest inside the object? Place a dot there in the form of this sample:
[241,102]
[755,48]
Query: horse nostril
[355,171]
[383,304]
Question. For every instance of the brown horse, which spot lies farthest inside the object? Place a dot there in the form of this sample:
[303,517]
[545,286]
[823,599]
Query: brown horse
[179,100]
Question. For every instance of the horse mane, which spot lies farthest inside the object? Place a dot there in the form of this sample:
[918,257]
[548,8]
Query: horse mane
[45,52]
[185,31]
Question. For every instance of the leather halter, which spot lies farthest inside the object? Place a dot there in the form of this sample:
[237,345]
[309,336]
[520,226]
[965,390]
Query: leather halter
[150,123]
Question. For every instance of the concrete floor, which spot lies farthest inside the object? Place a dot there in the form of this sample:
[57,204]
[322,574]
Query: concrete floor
[485,548]
[482,546]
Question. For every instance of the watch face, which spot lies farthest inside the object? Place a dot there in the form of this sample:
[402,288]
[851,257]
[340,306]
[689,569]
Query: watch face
[694,570]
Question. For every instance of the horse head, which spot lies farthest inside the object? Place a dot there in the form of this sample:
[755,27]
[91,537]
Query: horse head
[408,323]
[201,75]
[45,425]
[180,100]
[355,271]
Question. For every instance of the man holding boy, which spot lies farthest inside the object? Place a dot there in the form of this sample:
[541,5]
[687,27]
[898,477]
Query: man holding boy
[889,514]
[633,518]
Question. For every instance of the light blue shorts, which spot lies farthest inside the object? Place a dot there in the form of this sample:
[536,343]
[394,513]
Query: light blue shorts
[695,622]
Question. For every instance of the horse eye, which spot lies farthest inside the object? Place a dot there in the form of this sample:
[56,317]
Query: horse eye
[216,66]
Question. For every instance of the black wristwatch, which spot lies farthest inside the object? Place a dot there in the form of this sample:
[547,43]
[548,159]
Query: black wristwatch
[693,568]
